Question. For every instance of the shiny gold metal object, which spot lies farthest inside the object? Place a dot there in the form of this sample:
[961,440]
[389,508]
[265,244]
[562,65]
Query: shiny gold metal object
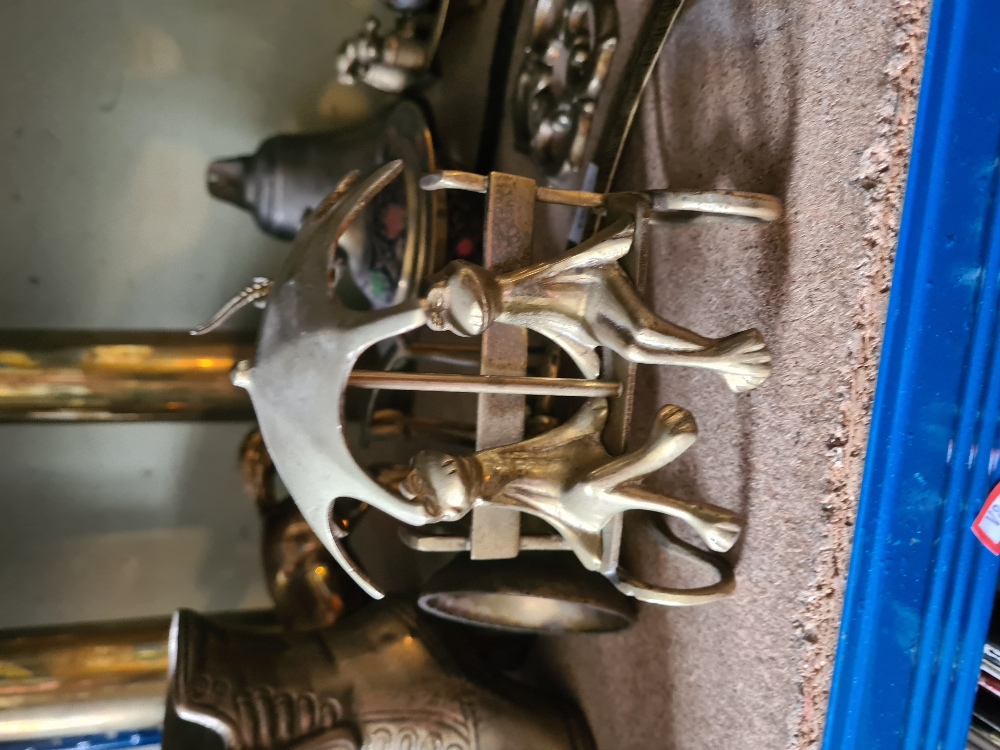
[568,479]
[455,383]
[88,376]
[661,203]
[310,341]
[383,678]
[82,680]
[585,301]
[507,238]
[439,543]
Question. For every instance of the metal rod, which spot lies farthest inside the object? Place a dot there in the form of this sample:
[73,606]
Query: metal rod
[719,202]
[83,376]
[82,680]
[477,183]
[579,198]
[431,543]
[449,383]
[90,679]
[101,376]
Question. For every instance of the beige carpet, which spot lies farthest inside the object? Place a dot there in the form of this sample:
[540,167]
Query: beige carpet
[812,101]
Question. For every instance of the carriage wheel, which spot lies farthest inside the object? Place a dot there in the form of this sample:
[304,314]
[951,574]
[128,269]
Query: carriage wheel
[536,592]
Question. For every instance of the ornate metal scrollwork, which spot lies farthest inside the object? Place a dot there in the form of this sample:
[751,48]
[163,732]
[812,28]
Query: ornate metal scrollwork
[564,70]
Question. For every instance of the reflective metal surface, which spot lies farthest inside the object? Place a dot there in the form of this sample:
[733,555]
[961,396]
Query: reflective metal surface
[510,214]
[567,478]
[86,376]
[450,383]
[562,75]
[79,680]
[384,679]
[91,679]
[446,543]
[586,301]
[660,203]
[309,343]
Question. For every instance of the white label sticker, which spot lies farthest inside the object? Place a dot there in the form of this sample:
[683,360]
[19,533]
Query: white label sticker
[986,527]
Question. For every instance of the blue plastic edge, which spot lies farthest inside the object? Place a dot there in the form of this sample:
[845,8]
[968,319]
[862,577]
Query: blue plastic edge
[920,586]
[142,739]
